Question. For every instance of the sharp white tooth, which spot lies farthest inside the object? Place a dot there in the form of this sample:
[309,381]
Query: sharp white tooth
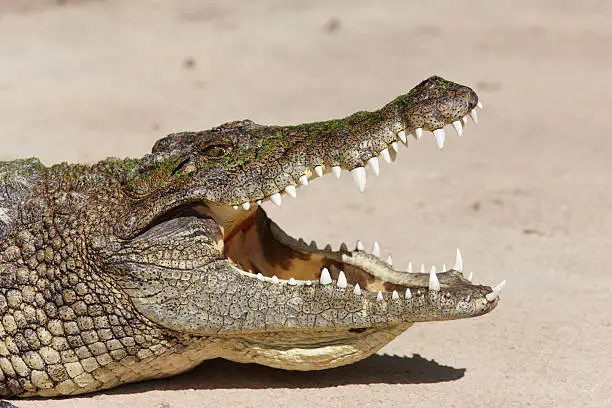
[246,205]
[292,282]
[290,190]
[379,296]
[409,269]
[444,268]
[395,146]
[422,270]
[395,295]
[402,136]
[308,283]
[434,283]
[328,248]
[357,290]
[385,155]
[408,294]
[313,244]
[376,249]
[325,277]
[390,260]
[235,207]
[359,246]
[495,293]
[458,127]
[458,262]
[343,247]
[464,120]
[275,279]
[418,133]
[260,276]
[359,175]
[276,199]
[341,283]
[479,105]
[337,170]
[474,116]
[373,162]
[303,180]
[470,276]
[258,202]
[440,135]
[319,170]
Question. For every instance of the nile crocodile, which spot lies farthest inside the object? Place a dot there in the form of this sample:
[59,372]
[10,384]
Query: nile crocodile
[133,269]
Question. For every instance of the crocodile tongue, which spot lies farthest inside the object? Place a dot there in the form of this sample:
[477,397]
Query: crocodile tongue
[259,245]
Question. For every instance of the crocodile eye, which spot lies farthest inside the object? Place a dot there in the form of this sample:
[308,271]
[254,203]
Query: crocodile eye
[216,151]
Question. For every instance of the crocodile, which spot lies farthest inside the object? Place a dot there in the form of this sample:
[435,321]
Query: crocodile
[133,269]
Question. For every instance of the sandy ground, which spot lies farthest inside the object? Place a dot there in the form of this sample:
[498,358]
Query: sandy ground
[527,194]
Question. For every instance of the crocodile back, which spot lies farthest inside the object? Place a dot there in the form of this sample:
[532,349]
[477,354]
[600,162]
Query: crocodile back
[16,180]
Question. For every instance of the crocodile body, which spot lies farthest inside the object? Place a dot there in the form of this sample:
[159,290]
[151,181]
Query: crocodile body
[132,269]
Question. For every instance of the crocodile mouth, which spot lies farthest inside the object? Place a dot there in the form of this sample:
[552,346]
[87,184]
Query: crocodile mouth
[261,250]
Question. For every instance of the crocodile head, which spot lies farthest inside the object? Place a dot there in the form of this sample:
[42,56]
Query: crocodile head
[200,256]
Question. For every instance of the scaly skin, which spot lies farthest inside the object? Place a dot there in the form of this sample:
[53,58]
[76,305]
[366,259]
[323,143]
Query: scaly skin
[133,269]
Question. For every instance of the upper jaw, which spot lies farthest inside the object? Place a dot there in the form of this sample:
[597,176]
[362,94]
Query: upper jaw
[363,140]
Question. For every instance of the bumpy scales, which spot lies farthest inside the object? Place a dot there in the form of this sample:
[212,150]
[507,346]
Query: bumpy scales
[131,269]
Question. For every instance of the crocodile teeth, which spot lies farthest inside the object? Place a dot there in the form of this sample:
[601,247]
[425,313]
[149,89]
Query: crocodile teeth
[495,293]
[464,120]
[258,202]
[443,268]
[458,127]
[458,262]
[376,249]
[434,283]
[260,277]
[308,283]
[474,116]
[292,282]
[276,199]
[470,276]
[246,205]
[235,207]
[379,296]
[385,155]
[290,190]
[359,175]
[409,269]
[373,162]
[359,246]
[325,277]
[440,135]
[390,260]
[319,170]
[341,283]
[422,270]
[343,247]
[408,294]
[275,279]
[479,105]
[395,295]
[418,133]
[395,146]
[303,180]
[357,290]
[337,170]
[402,136]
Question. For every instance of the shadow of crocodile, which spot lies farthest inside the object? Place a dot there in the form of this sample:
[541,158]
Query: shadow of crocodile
[377,369]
